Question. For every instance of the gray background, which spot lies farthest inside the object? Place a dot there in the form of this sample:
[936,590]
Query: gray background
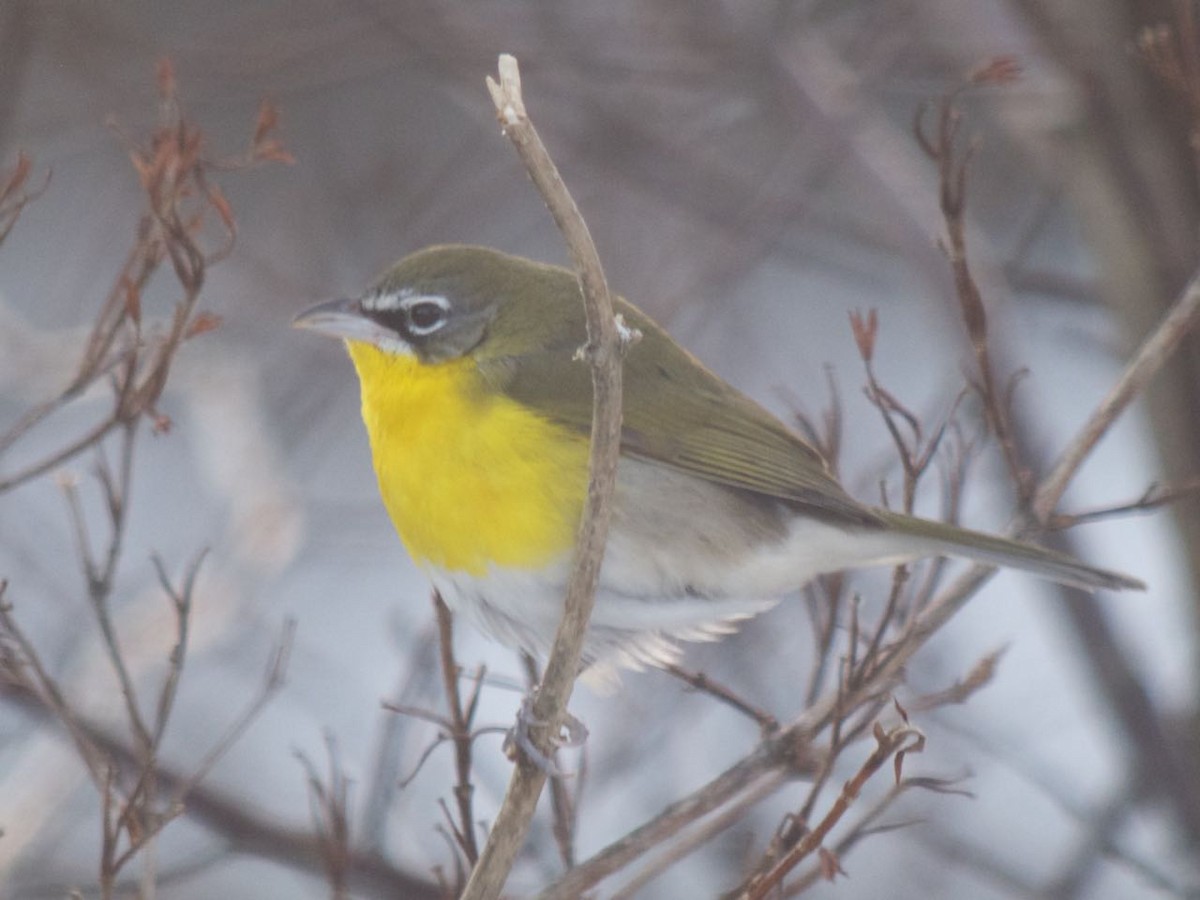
[749,174]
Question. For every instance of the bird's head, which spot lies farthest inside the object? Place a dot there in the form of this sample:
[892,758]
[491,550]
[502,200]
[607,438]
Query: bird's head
[451,301]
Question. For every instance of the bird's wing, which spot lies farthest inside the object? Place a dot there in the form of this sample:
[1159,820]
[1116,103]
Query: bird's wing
[679,414]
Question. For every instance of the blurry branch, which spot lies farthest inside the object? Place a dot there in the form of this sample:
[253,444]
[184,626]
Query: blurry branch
[1173,54]
[231,820]
[866,827]
[181,603]
[457,728]
[703,683]
[890,744]
[941,144]
[917,454]
[15,193]
[133,815]
[98,575]
[961,691]
[21,667]
[716,824]
[603,352]
[181,204]
[329,805]
[1141,862]
[824,597]
[382,780]
[1155,350]
[1154,497]
[272,683]
[446,735]
[1159,760]
[460,731]
[1160,756]
[135,361]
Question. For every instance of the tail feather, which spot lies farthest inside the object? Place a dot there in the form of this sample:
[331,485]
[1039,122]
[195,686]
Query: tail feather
[941,539]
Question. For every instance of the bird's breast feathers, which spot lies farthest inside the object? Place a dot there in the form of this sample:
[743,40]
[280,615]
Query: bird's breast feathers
[470,478]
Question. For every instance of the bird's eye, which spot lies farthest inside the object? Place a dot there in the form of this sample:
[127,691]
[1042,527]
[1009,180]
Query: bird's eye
[426,315]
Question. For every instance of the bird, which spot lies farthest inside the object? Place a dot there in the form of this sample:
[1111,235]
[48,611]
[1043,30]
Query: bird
[478,413]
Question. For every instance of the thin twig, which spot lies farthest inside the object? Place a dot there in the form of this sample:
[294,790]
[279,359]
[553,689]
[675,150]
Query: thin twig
[1154,497]
[865,827]
[702,834]
[460,733]
[980,675]
[181,603]
[941,144]
[890,744]
[825,591]
[1149,358]
[272,683]
[329,808]
[46,689]
[701,682]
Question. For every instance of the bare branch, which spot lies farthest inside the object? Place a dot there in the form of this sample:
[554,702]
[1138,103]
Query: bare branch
[14,194]
[979,677]
[890,744]
[43,686]
[701,682]
[1149,358]
[272,682]
[460,733]
[329,804]
[953,162]
[603,353]
[1154,497]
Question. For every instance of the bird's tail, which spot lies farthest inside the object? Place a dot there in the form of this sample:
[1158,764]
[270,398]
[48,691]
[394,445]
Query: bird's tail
[941,539]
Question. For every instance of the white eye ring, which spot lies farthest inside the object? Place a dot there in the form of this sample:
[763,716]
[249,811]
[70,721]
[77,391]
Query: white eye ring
[411,303]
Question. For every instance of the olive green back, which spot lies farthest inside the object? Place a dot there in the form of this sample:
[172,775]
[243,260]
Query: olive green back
[676,412]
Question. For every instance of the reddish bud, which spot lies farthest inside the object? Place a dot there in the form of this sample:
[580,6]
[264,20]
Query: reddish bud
[133,300]
[865,329]
[202,323]
[165,76]
[219,202]
[999,70]
[17,177]
[831,867]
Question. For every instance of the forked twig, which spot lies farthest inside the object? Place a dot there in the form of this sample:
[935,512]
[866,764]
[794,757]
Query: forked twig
[890,744]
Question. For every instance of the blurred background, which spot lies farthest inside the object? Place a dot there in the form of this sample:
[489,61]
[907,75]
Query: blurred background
[750,175]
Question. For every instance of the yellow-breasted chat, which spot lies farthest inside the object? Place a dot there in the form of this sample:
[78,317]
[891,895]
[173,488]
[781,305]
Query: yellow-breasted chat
[478,416]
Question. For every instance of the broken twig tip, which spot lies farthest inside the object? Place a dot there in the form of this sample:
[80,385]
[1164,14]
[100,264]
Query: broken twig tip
[506,95]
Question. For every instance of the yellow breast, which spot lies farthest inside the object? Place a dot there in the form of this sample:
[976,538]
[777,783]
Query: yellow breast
[468,476]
